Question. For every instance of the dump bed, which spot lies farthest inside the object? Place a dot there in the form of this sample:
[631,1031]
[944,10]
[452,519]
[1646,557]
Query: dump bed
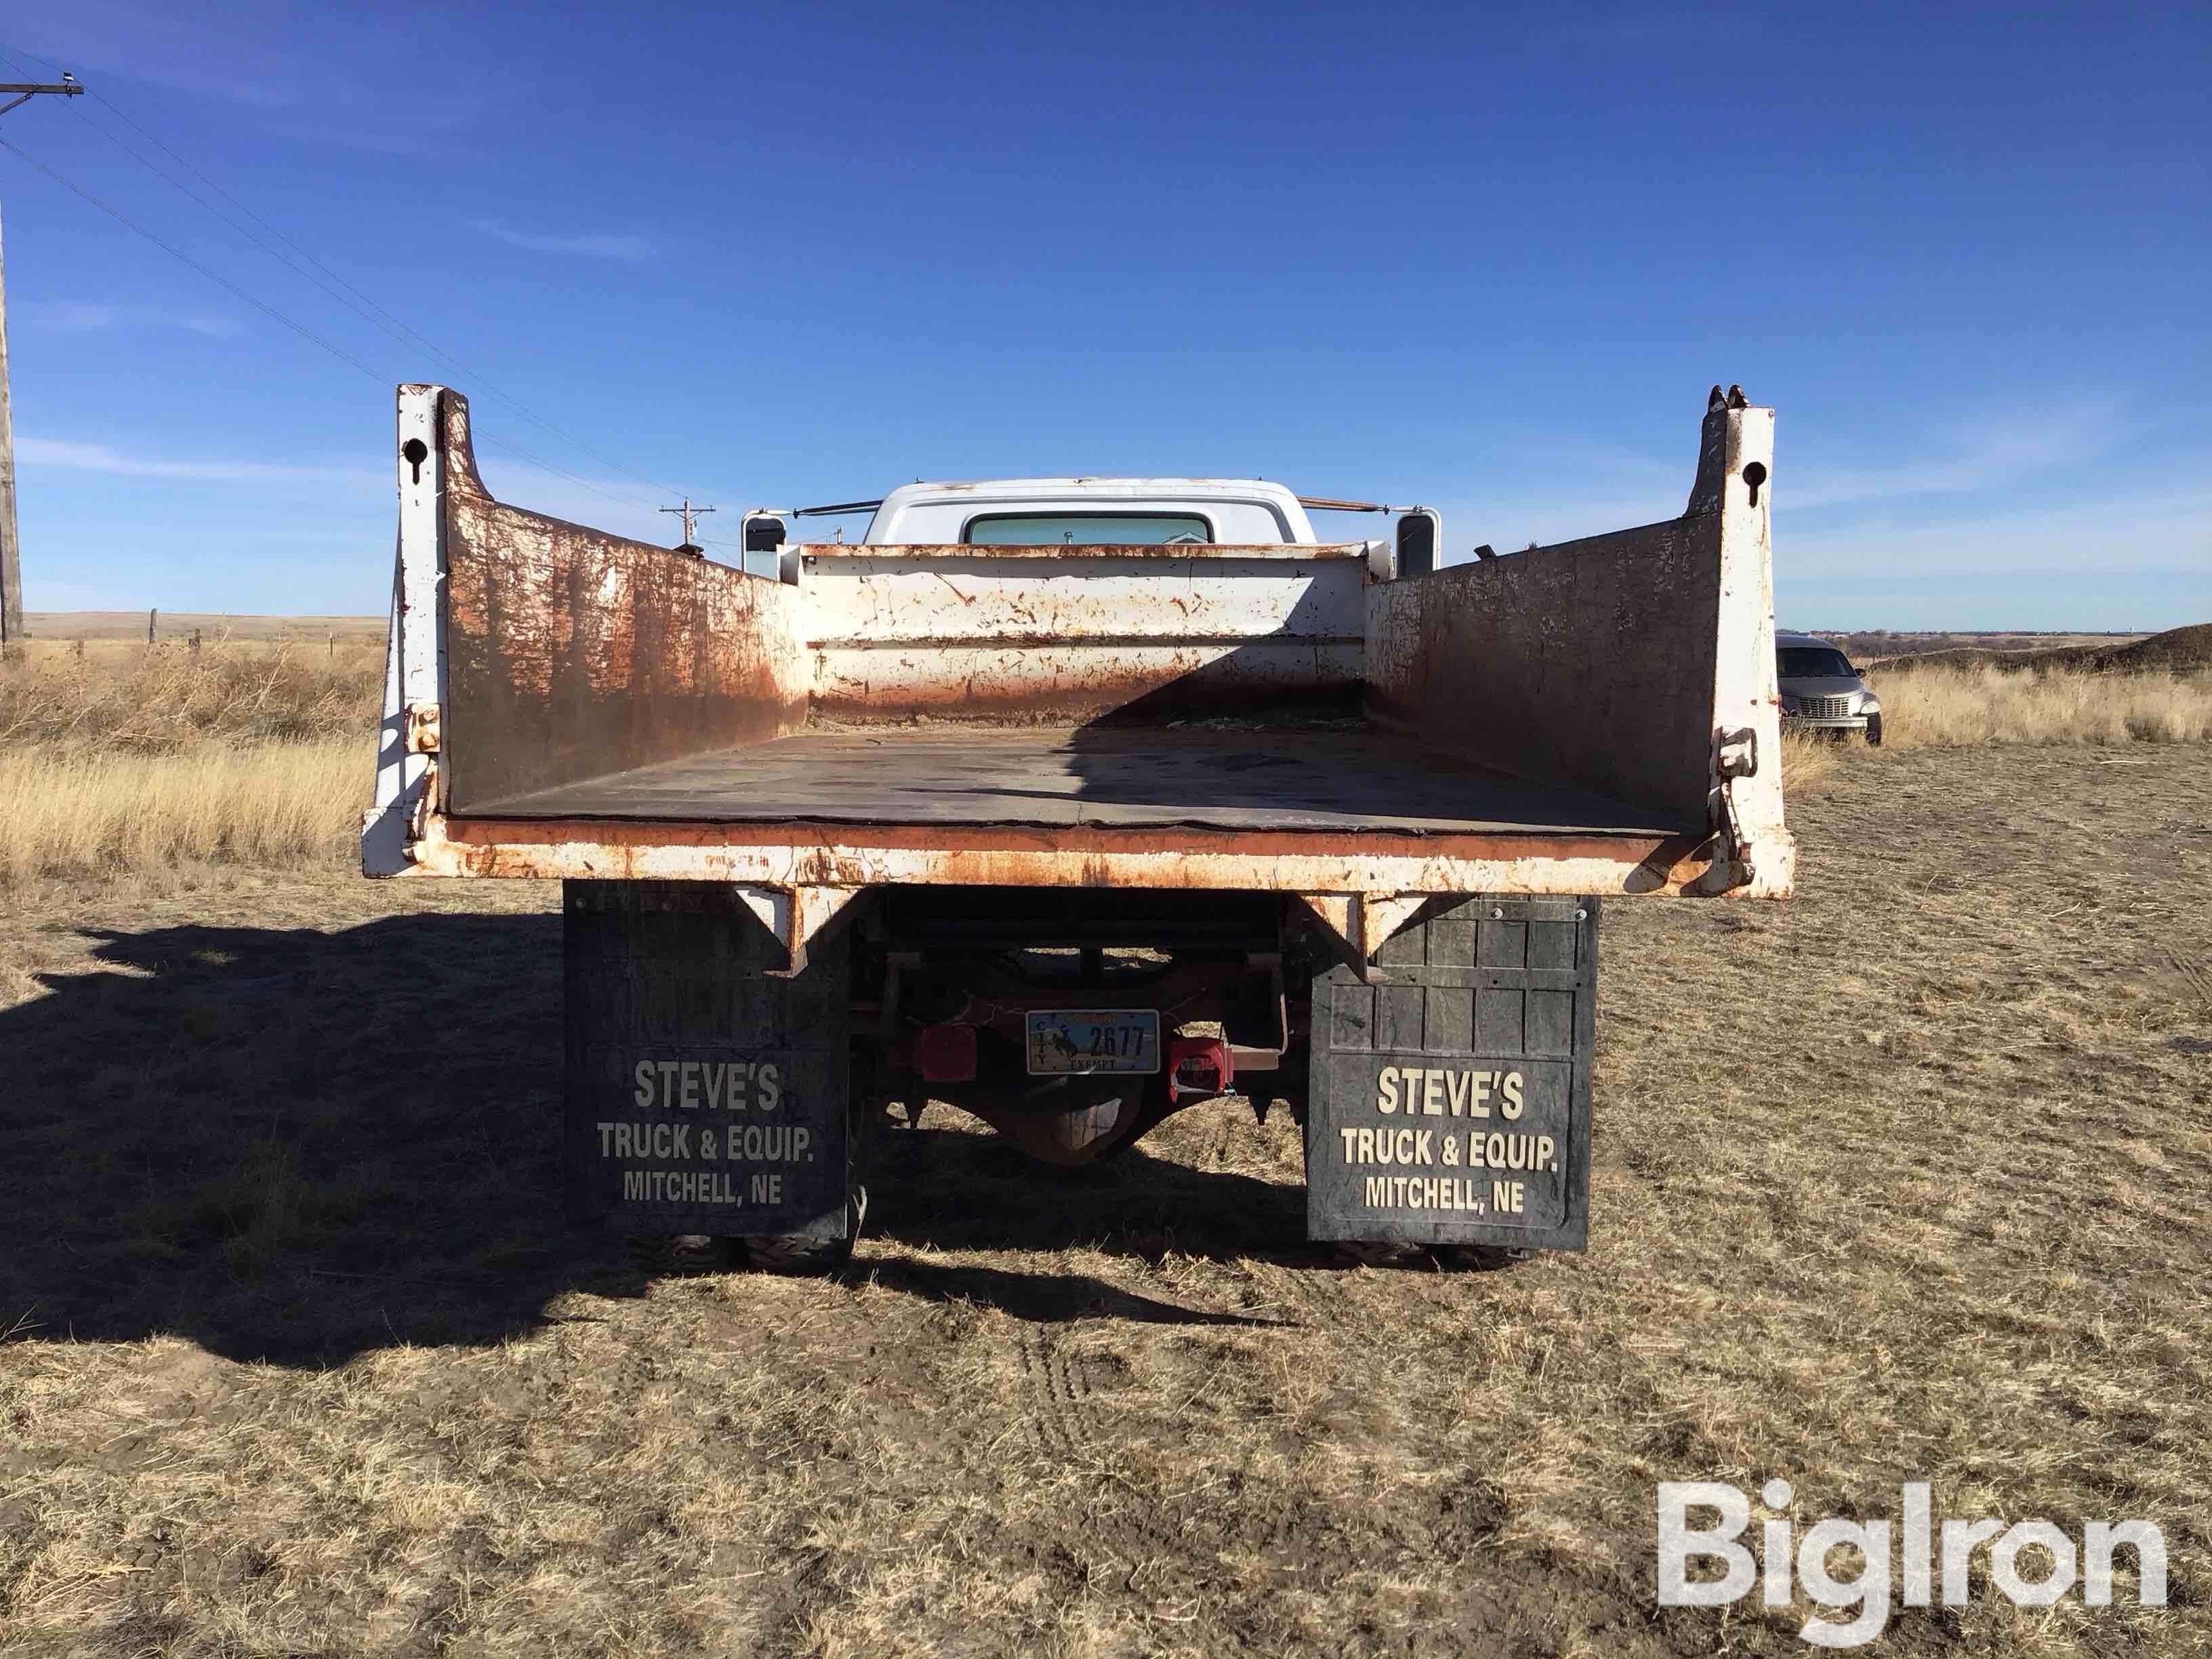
[1595,717]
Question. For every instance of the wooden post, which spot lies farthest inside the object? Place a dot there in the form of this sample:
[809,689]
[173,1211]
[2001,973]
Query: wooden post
[150,616]
[11,566]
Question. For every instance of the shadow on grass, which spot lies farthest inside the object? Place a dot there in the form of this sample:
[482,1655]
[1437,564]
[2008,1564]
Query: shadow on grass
[949,1189]
[1044,1298]
[294,1146]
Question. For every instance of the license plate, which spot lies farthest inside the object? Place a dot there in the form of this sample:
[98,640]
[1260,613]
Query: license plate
[1063,1040]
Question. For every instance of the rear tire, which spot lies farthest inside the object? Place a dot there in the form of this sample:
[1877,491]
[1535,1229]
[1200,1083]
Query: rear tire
[1449,1258]
[1874,730]
[680,1253]
[802,1255]
[1073,1122]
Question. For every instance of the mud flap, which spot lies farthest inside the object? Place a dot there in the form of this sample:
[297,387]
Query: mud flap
[703,1096]
[1450,1102]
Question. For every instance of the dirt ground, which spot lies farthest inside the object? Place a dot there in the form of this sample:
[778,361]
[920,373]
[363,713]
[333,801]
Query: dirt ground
[1909,1178]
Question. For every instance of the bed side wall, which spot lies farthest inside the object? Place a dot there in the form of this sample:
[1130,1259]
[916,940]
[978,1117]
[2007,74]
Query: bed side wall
[572,652]
[1590,663]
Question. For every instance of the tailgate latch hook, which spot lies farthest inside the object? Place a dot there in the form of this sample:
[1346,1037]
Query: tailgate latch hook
[1739,753]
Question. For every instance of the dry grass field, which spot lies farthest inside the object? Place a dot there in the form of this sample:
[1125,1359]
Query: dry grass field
[1955,707]
[1909,1178]
[120,758]
[1877,645]
[64,627]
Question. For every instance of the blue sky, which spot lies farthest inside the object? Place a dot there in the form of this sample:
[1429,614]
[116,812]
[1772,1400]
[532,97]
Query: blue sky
[1489,260]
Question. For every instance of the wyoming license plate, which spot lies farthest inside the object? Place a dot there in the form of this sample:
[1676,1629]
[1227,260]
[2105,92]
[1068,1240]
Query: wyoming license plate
[1094,1040]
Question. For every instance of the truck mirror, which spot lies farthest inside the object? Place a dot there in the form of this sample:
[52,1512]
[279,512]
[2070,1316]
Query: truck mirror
[1418,533]
[764,532]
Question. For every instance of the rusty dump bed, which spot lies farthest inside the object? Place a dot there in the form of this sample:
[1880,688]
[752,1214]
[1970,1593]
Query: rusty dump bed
[1598,716]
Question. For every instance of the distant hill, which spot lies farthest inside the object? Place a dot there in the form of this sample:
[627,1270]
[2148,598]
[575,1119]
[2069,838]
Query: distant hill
[179,625]
[1877,644]
[2177,651]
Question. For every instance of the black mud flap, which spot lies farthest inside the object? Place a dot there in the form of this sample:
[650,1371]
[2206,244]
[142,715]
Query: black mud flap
[1449,1104]
[703,1096]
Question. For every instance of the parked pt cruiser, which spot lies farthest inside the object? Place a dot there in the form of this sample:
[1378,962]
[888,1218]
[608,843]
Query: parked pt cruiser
[1820,690]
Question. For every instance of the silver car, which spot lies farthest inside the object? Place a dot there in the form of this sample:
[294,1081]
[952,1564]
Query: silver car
[1820,690]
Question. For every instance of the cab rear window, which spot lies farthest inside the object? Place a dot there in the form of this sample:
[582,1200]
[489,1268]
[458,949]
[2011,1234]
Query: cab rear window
[1050,529]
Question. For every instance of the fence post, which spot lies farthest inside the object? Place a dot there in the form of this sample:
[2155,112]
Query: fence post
[150,616]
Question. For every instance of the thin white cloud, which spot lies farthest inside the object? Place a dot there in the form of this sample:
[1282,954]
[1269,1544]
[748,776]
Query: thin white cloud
[2001,453]
[2169,532]
[621,507]
[169,47]
[1615,487]
[1628,28]
[332,86]
[63,455]
[85,316]
[618,506]
[1513,518]
[590,245]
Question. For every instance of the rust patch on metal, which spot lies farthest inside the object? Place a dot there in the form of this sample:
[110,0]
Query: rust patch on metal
[572,652]
[1632,849]
[858,855]
[1590,662]
[1378,865]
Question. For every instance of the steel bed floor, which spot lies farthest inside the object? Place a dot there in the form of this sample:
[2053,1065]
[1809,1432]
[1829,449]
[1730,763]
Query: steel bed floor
[1335,778]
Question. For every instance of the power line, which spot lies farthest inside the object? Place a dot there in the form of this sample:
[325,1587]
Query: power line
[301,329]
[306,333]
[343,291]
[361,303]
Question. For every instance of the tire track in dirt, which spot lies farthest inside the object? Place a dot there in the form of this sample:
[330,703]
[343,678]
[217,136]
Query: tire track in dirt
[2194,976]
[1063,1392]
[1057,1392]
[1308,1293]
[1059,1404]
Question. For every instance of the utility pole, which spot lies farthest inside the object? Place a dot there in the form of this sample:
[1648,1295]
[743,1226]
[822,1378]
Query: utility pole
[11,556]
[689,512]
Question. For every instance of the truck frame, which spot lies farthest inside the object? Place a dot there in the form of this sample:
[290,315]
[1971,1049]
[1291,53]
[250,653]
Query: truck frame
[1305,821]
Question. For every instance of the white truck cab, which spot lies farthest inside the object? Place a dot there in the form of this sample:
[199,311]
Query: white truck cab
[1031,512]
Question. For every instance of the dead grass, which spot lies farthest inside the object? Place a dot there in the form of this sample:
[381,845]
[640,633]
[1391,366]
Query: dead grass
[75,811]
[123,758]
[1909,1178]
[1807,762]
[49,629]
[1946,708]
[161,699]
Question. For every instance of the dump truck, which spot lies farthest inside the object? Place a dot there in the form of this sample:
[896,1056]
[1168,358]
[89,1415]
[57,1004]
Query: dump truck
[1075,803]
